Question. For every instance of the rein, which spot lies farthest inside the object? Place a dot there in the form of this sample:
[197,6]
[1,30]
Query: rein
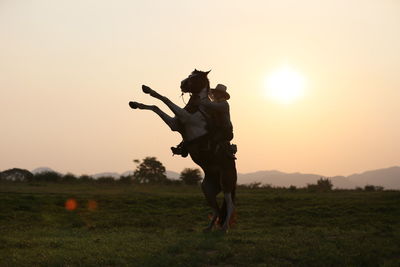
[183,100]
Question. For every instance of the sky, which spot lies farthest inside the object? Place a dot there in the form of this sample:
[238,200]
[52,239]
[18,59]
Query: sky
[69,68]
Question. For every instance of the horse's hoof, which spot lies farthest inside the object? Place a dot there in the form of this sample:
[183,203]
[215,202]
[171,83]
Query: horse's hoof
[146,89]
[134,105]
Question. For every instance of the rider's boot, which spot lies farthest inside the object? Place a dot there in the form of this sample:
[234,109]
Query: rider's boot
[180,150]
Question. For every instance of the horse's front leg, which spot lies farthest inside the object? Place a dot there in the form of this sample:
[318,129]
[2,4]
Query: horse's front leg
[170,121]
[214,218]
[180,113]
[229,207]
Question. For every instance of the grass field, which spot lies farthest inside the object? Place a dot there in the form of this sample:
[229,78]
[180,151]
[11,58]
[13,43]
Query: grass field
[139,225]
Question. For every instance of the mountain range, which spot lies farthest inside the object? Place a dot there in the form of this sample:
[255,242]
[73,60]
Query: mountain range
[389,178]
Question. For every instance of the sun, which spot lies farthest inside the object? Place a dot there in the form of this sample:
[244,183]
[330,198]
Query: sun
[285,85]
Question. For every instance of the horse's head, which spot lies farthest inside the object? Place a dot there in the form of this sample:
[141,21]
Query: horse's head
[195,82]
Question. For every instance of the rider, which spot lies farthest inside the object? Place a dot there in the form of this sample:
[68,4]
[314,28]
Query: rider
[221,129]
[219,108]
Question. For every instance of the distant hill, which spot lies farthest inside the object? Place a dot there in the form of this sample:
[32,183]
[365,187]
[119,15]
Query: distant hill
[277,178]
[389,178]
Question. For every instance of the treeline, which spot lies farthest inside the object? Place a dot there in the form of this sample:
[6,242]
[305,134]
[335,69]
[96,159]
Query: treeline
[322,185]
[151,171]
[148,171]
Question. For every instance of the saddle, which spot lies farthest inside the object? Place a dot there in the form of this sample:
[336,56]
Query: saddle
[224,148]
[208,142]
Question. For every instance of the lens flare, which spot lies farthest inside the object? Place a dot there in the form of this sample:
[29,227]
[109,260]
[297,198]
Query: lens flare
[71,204]
[92,205]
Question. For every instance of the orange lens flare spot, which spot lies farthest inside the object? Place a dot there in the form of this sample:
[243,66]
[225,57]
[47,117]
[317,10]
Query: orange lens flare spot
[71,204]
[92,205]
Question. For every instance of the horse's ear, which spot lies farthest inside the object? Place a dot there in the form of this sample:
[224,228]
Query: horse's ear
[195,70]
[207,72]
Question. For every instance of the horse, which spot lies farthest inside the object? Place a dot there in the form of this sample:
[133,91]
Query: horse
[192,123]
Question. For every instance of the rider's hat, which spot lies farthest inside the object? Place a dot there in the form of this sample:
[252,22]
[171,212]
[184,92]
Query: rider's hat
[221,89]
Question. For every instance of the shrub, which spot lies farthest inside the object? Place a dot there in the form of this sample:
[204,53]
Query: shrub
[252,185]
[267,186]
[190,176]
[371,188]
[125,179]
[85,178]
[69,178]
[292,188]
[105,180]
[49,176]
[323,185]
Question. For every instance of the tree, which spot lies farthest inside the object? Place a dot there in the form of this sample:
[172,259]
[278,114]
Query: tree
[150,170]
[69,178]
[322,185]
[190,176]
[85,178]
[16,174]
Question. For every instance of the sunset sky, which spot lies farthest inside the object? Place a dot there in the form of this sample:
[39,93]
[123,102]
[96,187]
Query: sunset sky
[69,68]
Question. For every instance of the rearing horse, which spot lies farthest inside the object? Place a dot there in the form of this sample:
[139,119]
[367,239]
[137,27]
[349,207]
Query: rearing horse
[191,122]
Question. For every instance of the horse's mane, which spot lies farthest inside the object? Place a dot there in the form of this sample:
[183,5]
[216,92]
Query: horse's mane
[202,74]
[190,106]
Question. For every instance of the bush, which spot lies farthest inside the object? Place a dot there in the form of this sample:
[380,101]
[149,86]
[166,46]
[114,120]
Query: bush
[372,188]
[69,178]
[323,185]
[292,188]
[190,176]
[85,178]
[125,179]
[269,186]
[47,177]
[105,180]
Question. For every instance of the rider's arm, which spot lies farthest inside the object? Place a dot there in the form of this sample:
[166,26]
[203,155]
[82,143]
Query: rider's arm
[216,106]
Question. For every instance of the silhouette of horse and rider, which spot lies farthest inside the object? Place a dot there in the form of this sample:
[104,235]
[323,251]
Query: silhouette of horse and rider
[206,128]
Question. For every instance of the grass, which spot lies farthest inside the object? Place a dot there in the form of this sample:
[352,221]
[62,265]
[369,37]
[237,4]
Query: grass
[162,226]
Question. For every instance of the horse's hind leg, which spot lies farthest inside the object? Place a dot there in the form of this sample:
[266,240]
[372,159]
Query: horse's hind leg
[170,121]
[229,210]
[228,180]
[211,189]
